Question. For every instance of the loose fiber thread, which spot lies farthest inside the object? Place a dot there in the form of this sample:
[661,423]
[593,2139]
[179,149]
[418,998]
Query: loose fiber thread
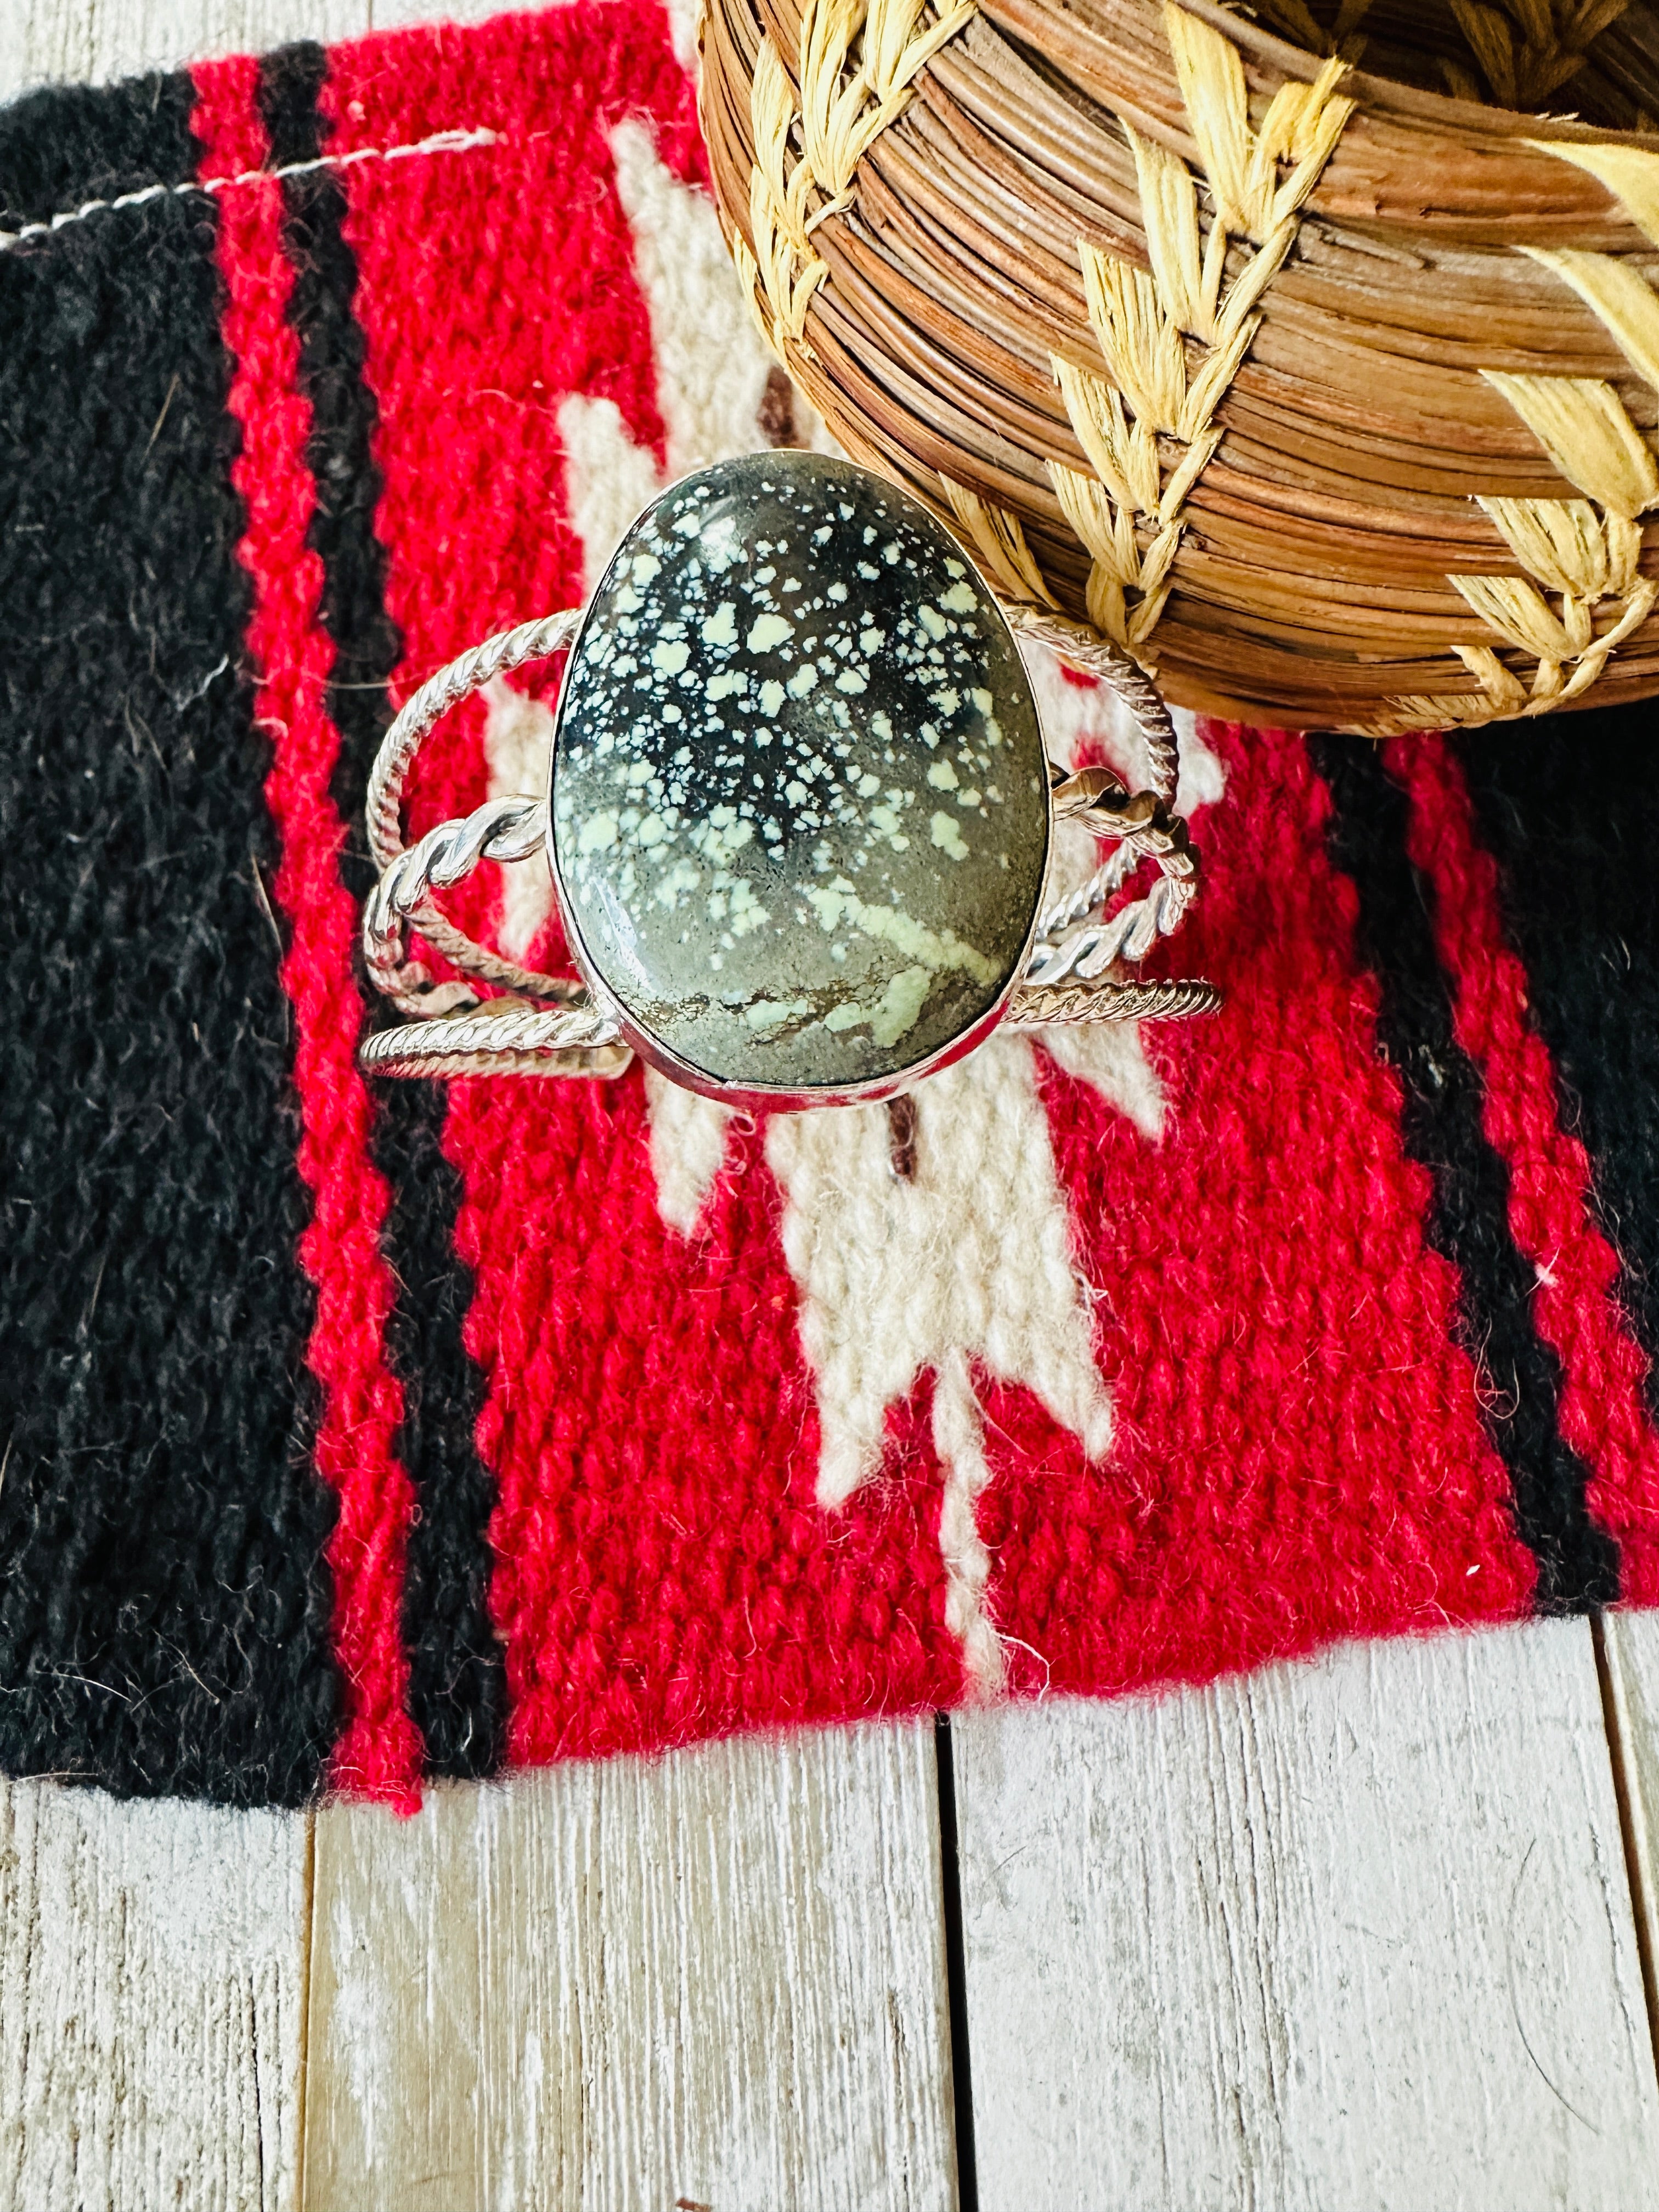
[439,141]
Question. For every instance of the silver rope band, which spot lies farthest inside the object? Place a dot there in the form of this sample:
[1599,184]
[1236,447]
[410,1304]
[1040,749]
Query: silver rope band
[1126,679]
[1044,1006]
[407,983]
[503,1037]
[566,1034]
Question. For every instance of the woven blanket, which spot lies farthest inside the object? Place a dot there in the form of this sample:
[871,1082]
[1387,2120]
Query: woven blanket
[351,1432]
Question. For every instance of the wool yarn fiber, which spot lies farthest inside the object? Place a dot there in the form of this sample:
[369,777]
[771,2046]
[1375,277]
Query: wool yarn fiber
[350,1434]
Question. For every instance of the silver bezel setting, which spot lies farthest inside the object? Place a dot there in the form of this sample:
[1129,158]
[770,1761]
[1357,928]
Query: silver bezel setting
[786,1098]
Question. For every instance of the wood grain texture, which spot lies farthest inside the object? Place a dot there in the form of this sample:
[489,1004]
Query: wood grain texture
[1351,1933]
[95,41]
[717,1978]
[152,2002]
[1630,1656]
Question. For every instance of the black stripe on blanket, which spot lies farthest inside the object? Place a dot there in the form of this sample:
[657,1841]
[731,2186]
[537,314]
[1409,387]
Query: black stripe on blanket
[1570,808]
[458,1683]
[164,1603]
[1468,1215]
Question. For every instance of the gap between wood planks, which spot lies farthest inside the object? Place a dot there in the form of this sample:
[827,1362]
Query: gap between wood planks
[84,41]
[1623,1734]
[1635,1815]
[308,1946]
[955,1966]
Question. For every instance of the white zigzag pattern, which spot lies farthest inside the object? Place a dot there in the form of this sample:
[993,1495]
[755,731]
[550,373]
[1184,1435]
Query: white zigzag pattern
[971,1263]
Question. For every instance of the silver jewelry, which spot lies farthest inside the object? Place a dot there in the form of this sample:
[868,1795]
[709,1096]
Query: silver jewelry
[800,815]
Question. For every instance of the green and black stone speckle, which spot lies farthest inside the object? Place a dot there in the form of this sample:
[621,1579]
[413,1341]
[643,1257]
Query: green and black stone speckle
[798,815]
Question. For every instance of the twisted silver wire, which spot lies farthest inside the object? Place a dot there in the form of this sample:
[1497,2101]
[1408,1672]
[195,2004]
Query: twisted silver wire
[1048,1006]
[455,1034]
[408,983]
[501,829]
[1124,678]
[503,1037]
[1075,906]
[1145,830]
[1128,934]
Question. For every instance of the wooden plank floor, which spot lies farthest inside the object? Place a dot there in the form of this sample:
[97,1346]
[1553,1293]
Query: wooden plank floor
[153,1983]
[697,1980]
[1376,1931]
[1351,1934]
[1359,1932]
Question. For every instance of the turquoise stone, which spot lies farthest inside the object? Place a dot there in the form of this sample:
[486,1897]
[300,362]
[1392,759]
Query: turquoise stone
[799,813]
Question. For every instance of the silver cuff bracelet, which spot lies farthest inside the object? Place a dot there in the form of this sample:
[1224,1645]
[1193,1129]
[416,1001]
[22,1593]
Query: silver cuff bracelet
[798,815]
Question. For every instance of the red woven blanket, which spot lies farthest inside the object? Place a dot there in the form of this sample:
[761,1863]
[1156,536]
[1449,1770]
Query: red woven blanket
[353,1433]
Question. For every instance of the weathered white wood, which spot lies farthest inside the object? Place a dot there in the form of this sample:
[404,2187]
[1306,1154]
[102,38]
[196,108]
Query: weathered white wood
[715,1977]
[1354,1933]
[152,2001]
[1630,1649]
[94,42]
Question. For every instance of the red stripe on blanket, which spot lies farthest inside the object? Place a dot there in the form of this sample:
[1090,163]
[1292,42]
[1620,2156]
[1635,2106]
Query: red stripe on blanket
[379,1750]
[1298,1451]
[1575,1308]
[663,1569]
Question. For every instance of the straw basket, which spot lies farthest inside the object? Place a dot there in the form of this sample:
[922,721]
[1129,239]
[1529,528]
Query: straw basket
[1304,367]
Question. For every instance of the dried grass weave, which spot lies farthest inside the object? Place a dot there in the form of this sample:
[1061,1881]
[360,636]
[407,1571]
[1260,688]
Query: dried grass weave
[1308,367]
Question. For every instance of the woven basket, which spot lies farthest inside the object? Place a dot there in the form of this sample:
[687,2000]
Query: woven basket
[1321,386]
